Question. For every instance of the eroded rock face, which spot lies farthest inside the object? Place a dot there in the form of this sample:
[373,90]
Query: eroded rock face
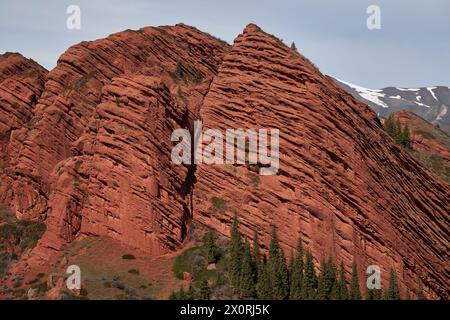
[97,159]
[343,187]
[74,88]
[21,84]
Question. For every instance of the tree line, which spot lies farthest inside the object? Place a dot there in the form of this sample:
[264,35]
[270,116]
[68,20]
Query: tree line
[256,277]
[270,277]
[397,133]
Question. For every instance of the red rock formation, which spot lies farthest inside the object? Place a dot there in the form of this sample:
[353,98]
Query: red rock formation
[431,145]
[74,88]
[21,83]
[97,158]
[343,186]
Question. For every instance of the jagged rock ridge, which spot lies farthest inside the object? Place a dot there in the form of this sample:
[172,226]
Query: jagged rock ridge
[96,160]
[343,187]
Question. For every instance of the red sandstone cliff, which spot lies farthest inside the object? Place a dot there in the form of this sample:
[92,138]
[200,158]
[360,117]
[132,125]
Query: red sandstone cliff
[96,159]
[21,84]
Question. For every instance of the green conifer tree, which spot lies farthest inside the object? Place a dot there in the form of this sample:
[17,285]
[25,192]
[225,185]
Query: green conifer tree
[355,292]
[173,296]
[256,259]
[205,291]
[293,46]
[405,138]
[209,246]
[263,289]
[389,126]
[397,131]
[327,280]
[277,269]
[373,294]
[181,294]
[235,254]
[309,283]
[393,291]
[246,284]
[343,290]
[190,294]
[333,280]
[291,265]
[296,272]
[284,274]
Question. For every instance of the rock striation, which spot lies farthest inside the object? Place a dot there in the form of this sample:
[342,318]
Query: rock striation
[343,187]
[90,145]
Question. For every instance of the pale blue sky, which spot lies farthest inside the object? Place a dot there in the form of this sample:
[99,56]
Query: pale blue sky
[412,49]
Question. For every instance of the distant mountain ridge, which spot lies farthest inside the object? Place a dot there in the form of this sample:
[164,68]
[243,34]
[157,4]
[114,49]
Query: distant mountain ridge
[431,103]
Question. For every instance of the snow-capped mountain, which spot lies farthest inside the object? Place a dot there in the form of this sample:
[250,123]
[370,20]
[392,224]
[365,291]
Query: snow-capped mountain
[431,103]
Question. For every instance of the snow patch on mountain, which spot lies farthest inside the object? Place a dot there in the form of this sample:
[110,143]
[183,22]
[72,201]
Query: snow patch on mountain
[371,95]
[430,89]
[421,104]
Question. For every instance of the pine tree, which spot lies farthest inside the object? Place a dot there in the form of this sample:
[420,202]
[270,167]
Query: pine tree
[385,294]
[295,284]
[293,46]
[173,296]
[343,290]
[277,269]
[300,256]
[393,291]
[256,259]
[284,274]
[246,284]
[296,272]
[327,280]
[291,269]
[389,126]
[181,294]
[190,295]
[263,290]
[309,283]
[205,291]
[235,253]
[397,131]
[405,138]
[333,280]
[355,292]
[373,294]
[209,247]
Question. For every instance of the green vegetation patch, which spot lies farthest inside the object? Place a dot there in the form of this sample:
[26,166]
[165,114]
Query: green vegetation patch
[426,135]
[189,261]
[218,205]
[17,234]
